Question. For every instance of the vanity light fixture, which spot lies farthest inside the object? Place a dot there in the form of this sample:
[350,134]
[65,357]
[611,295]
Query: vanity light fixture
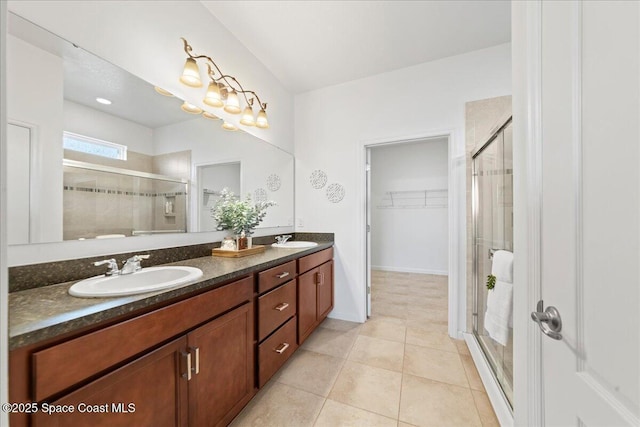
[247,115]
[223,90]
[190,108]
[228,126]
[261,121]
[210,116]
[162,91]
[103,101]
[191,73]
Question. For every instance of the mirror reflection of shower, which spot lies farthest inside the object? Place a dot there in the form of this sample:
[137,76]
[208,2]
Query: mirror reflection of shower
[492,172]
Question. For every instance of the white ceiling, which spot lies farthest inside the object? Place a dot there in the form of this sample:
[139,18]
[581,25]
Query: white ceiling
[87,76]
[313,44]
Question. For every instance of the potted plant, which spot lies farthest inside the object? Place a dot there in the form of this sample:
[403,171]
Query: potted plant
[241,216]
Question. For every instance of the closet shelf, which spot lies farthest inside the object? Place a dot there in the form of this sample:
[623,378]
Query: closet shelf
[415,199]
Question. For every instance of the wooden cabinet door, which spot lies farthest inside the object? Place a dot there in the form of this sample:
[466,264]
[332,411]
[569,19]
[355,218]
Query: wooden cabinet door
[222,379]
[325,290]
[146,392]
[306,303]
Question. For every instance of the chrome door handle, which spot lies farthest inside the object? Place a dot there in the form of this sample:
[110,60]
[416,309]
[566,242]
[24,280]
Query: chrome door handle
[549,321]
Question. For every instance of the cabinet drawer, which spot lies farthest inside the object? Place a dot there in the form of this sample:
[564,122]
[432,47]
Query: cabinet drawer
[276,350]
[275,276]
[66,364]
[275,307]
[310,261]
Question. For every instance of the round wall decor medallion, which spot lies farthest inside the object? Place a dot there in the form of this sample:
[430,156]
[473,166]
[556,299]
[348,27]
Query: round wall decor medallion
[335,193]
[273,182]
[260,195]
[318,179]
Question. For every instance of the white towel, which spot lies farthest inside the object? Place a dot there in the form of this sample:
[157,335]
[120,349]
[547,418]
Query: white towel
[499,315]
[497,319]
[502,266]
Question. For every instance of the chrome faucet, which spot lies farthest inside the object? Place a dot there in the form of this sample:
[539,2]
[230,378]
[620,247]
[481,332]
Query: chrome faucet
[283,239]
[113,266]
[133,264]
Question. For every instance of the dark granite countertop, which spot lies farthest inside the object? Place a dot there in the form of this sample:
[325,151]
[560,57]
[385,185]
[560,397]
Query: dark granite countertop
[42,313]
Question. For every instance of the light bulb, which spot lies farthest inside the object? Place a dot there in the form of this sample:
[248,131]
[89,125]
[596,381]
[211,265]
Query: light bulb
[233,103]
[261,120]
[213,97]
[191,73]
[190,108]
[247,117]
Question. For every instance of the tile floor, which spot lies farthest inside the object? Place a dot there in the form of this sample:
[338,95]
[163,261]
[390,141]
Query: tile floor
[398,369]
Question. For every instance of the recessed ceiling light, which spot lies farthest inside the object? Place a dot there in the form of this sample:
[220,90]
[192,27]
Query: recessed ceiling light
[103,101]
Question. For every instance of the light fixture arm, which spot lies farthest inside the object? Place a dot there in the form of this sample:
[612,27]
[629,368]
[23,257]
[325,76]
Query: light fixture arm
[225,77]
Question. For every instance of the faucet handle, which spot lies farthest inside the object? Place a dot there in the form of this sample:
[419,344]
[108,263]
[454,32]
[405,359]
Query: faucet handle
[112,264]
[135,261]
[138,258]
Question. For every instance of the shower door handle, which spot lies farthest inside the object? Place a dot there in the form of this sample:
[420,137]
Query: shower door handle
[549,320]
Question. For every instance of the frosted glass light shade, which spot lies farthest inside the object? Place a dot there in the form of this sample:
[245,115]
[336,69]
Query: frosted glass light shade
[162,91]
[190,108]
[247,117]
[233,103]
[191,73]
[210,116]
[261,120]
[228,126]
[213,97]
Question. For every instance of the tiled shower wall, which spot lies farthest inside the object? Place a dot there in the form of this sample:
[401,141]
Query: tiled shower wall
[97,203]
[482,118]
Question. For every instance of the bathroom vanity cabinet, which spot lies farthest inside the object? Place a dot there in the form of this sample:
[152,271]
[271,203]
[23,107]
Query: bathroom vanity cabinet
[203,376]
[315,291]
[193,361]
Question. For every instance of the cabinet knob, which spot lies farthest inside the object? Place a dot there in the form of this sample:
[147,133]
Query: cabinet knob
[281,306]
[282,347]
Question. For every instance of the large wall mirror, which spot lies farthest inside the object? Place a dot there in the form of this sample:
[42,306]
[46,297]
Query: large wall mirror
[82,168]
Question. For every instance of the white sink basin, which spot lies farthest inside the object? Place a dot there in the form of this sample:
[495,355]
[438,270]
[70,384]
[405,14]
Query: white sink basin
[146,280]
[295,245]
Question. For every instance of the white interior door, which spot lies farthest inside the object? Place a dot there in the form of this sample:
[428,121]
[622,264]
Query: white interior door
[590,224]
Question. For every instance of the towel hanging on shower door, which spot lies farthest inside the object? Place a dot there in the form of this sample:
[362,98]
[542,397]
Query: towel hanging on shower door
[498,318]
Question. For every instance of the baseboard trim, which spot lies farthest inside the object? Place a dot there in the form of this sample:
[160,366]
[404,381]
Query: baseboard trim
[410,270]
[496,397]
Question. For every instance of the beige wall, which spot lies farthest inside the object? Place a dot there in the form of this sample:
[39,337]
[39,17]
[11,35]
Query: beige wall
[482,119]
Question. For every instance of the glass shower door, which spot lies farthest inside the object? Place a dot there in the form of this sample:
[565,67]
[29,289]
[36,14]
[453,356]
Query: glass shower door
[493,230]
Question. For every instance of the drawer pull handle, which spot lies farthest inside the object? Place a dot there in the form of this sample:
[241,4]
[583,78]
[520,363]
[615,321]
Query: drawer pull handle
[282,347]
[282,306]
[282,275]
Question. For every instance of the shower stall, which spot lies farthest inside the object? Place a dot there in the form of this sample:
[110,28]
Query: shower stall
[492,201]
